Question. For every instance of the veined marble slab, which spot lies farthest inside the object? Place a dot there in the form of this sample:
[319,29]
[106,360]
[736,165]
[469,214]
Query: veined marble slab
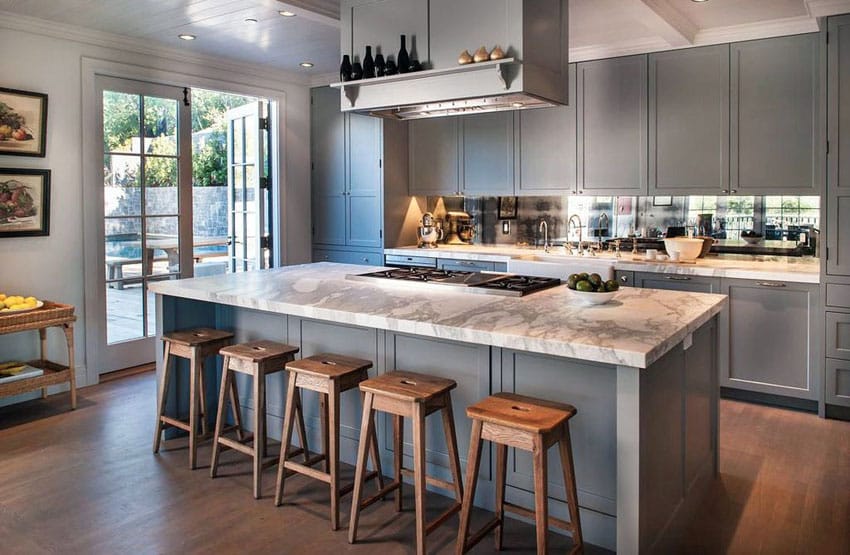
[780,268]
[636,329]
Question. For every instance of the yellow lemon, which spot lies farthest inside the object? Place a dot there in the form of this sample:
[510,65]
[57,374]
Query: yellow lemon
[31,300]
[2,296]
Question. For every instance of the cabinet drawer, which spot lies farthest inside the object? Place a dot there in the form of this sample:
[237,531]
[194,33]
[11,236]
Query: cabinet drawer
[838,382]
[348,257]
[465,265]
[677,282]
[625,277]
[838,335]
[838,295]
[399,260]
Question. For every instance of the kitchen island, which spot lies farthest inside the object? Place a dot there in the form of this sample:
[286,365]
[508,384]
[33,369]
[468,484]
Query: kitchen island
[641,371]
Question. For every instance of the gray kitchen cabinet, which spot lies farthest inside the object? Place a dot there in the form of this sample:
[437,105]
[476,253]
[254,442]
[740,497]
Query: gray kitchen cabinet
[770,338]
[611,100]
[838,335]
[625,278]
[345,256]
[487,154]
[838,156]
[327,154]
[547,148]
[689,121]
[677,282]
[838,382]
[363,194]
[434,156]
[775,116]
[471,265]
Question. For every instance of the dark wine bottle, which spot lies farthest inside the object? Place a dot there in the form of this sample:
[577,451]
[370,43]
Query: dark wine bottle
[356,71]
[380,65]
[345,69]
[403,61]
[392,69]
[368,64]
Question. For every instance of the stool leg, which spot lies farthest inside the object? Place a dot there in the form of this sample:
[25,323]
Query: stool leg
[302,430]
[541,509]
[285,438]
[566,449]
[163,385]
[323,417]
[451,444]
[367,429]
[501,471]
[376,461]
[202,396]
[237,409]
[419,474]
[259,430]
[226,382]
[398,456]
[472,462]
[333,454]
[194,372]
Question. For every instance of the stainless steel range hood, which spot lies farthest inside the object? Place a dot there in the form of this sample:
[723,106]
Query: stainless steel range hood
[532,32]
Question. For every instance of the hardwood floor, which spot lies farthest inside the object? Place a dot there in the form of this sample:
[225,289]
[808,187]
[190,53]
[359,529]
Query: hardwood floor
[86,482]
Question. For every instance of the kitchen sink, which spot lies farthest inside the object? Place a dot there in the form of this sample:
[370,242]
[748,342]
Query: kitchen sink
[560,266]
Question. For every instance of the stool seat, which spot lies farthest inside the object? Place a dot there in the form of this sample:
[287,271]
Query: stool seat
[408,386]
[328,365]
[521,412]
[259,351]
[196,336]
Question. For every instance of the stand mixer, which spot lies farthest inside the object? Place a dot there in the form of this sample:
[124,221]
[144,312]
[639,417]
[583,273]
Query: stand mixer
[461,228]
[429,231]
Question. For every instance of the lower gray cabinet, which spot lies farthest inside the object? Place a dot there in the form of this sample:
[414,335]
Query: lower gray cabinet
[470,265]
[838,335]
[367,258]
[625,277]
[770,340]
[837,382]
[677,282]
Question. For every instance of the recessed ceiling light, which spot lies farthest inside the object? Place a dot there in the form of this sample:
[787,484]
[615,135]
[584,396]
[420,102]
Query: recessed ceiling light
[250,20]
[186,36]
[286,13]
[306,64]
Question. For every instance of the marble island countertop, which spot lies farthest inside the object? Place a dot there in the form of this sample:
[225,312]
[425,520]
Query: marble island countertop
[782,268]
[636,329]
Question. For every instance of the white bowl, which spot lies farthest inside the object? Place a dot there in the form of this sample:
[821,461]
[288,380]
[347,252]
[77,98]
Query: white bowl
[752,240]
[688,249]
[589,298]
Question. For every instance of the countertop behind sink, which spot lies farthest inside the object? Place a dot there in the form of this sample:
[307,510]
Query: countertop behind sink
[793,269]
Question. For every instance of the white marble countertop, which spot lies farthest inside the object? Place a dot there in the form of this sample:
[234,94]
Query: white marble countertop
[636,329]
[780,268]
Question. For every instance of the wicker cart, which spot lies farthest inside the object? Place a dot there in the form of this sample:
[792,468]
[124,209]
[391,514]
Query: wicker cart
[49,316]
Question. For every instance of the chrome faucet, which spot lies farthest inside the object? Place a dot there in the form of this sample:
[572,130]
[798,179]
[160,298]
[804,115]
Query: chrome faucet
[576,218]
[544,228]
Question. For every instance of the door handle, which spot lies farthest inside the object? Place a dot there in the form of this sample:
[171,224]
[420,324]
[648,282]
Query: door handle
[771,284]
[678,278]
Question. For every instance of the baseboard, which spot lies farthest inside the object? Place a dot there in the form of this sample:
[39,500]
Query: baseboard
[126,372]
[804,405]
[838,412]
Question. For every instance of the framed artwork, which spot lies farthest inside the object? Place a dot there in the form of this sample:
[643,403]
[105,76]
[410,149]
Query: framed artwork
[662,201]
[507,208]
[23,123]
[24,202]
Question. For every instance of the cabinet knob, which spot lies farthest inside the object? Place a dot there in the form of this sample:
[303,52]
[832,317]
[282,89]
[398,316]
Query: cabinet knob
[725,191]
[624,279]
[365,259]
[734,191]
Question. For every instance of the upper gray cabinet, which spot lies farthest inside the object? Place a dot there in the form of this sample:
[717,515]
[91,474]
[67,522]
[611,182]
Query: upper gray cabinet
[612,126]
[378,23]
[689,121]
[488,154]
[328,142]
[775,116]
[547,148]
[838,158]
[434,157]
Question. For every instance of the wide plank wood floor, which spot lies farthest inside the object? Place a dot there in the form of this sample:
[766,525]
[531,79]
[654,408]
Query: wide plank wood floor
[86,482]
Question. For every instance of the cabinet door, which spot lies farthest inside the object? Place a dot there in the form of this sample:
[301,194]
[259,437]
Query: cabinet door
[329,219]
[677,282]
[838,158]
[465,265]
[363,205]
[689,121]
[547,148]
[612,126]
[775,116]
[434,159]
[327,150]
[488,154]
[837,382]
[769,338]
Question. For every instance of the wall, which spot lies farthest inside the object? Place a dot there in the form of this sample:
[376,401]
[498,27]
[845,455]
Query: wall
[52,267]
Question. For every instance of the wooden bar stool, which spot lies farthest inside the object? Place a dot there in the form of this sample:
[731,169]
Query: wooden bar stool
[534,425]
[195,345]
[257,359]
[415,396]
[330,375]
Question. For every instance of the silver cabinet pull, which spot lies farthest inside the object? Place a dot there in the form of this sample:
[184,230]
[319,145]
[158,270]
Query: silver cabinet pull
[771,284]
[678,278]
[624,279]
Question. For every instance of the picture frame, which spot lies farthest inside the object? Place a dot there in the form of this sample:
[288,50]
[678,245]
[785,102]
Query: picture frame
[24,202]
[23,123]
[662,201]
[507,208]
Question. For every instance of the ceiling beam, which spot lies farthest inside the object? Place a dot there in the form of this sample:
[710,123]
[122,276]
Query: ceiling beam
[823,8]
[660,17]
[320,11]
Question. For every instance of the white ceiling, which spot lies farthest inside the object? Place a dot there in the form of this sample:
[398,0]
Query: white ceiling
[598,28]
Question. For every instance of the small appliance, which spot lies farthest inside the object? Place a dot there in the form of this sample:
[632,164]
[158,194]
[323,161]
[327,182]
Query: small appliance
[430,231]
[461,228]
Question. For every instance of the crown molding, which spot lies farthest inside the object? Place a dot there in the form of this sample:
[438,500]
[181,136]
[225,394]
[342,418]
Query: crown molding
[626,48]
[758,30]
[27,24]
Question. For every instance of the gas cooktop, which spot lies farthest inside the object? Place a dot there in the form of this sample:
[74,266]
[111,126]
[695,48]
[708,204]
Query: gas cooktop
[479,282]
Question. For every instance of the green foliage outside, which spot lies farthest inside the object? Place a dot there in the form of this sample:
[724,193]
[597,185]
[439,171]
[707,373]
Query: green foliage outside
[209,156]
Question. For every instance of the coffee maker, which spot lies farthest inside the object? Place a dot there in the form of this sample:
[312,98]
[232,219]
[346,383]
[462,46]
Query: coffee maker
[461,228]
[430,231]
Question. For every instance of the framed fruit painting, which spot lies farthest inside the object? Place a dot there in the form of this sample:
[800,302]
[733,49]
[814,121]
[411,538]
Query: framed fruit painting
[23,123]
[24,202]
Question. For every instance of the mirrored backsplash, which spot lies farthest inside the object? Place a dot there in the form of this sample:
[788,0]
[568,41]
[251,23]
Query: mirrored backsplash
[777,218]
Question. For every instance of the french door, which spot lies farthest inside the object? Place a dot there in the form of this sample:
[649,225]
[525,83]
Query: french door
[145,209]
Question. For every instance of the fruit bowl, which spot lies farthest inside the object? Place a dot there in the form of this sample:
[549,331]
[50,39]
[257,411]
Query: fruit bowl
[593,298]
[688,249]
